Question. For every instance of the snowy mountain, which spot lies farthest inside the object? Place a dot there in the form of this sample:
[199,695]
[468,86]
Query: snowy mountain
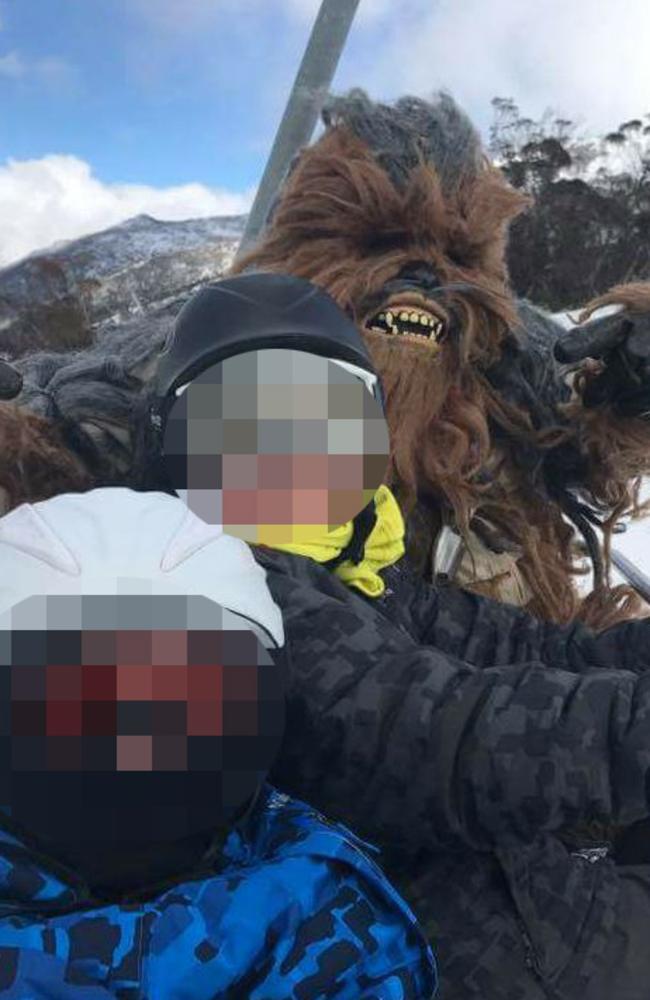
[58,297]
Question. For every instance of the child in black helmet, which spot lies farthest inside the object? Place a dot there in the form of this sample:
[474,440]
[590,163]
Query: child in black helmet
[460,767]
[279,903]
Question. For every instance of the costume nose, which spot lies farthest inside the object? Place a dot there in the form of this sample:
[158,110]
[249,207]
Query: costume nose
[416,276]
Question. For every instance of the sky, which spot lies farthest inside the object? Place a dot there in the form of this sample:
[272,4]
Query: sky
[109,108]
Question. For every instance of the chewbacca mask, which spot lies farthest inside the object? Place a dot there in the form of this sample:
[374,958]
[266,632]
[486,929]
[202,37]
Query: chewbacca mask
[397,212]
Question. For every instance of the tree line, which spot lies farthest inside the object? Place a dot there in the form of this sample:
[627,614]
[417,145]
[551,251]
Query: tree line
[589,226]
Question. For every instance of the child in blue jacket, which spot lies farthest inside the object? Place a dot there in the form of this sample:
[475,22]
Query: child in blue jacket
[123,873]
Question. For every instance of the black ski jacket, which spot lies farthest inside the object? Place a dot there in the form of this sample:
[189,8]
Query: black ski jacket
[466,737]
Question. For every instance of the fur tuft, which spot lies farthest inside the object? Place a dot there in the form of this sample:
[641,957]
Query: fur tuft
[410,133]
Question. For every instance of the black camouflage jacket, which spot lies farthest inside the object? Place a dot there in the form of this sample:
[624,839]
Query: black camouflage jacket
[464,736]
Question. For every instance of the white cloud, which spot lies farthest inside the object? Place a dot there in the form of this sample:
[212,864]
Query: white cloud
[587,58]
[49,70]
[58,198]
[54,70]
[12,65]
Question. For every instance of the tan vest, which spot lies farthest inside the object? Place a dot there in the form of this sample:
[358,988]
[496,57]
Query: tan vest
[495,572]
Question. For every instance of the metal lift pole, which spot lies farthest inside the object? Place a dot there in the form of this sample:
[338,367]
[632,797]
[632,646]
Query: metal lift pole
[307,97]
[632,574]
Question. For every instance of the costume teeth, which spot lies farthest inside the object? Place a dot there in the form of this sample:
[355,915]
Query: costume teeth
[392,322]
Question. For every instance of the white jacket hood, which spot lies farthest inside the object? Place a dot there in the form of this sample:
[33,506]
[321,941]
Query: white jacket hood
[117,541]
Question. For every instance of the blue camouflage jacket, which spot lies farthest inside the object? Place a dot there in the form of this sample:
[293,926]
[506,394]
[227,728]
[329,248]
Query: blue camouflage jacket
[295,909]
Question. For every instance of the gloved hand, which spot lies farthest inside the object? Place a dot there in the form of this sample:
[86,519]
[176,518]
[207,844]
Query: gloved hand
[11,381]
[622,343]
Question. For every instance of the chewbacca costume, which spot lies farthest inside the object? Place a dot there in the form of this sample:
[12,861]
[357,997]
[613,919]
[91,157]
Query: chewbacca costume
[495,456]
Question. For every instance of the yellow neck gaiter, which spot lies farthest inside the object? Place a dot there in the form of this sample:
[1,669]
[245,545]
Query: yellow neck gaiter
[384,546]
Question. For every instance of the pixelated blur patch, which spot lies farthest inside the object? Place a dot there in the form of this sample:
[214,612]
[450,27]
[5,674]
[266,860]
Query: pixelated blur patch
[134,699]
[276,446]
[104,712]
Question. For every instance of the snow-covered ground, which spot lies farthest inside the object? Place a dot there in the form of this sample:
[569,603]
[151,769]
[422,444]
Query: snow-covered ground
[635,543]
[569,317]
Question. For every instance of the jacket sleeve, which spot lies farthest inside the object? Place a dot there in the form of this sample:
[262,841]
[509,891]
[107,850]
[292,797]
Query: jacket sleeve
[416,748]
[356,945]
[486,633]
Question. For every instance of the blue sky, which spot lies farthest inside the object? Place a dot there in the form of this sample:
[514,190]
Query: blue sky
[111,107]
[153,92]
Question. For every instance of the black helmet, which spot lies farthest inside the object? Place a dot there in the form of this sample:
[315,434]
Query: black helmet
[253,312]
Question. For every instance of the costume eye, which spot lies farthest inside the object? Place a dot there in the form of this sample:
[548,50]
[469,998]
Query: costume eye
[456,259]
[383,244]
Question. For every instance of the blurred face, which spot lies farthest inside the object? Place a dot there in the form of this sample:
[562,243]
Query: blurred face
[121,736]
[276,446]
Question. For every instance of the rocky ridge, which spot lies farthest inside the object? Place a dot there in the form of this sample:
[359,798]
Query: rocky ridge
[58,298]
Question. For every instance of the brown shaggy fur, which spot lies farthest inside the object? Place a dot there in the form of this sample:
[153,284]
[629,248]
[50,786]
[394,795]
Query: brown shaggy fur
[35,463]
[618,449]
[342,224]
[633,297]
